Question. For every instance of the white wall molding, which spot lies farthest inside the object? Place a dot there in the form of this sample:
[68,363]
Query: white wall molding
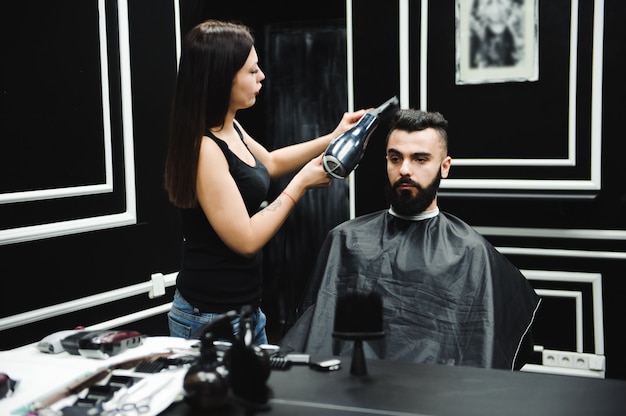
[129,216]
[594,180]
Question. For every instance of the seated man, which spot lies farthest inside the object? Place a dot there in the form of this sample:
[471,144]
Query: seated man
[449,297]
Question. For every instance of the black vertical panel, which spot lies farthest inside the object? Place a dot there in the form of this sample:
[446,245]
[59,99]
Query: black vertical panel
[51,95]
[302,51]
[376,79]
[154,66]
[305,96]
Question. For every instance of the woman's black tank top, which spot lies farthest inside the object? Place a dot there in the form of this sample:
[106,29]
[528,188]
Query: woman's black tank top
[213,278]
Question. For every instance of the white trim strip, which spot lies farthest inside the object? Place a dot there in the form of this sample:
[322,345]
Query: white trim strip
[578,300]
[596,90]
[570,233]
[82,303]
[423,55]
[514,162]
[133,317]
[573,79]
[526,184]
[350,77]
[177,30]
[57,229]
[404,45]
[56,193]
[548,252]
[595,279]
[127,107]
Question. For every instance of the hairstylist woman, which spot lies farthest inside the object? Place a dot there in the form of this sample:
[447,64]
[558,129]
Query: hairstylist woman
[219,176]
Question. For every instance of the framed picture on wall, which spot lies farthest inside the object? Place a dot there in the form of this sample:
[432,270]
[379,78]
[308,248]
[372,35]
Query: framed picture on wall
[496,41]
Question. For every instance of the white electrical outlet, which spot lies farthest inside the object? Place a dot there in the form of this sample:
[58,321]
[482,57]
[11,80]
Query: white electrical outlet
[575,360]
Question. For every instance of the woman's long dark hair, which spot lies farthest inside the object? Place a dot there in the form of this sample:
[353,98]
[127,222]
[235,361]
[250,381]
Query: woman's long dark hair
[213,52]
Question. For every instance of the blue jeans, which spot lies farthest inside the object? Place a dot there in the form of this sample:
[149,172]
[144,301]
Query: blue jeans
[184,320]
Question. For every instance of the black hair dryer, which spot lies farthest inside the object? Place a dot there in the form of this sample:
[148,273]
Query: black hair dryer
[344,153]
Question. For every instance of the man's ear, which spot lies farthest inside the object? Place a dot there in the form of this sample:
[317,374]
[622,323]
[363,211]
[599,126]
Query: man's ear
[445,167]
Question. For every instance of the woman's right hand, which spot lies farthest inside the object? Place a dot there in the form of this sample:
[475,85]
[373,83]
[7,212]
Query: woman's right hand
[313,175]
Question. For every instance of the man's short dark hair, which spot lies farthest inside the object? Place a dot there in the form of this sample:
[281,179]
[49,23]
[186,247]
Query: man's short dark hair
[415,120]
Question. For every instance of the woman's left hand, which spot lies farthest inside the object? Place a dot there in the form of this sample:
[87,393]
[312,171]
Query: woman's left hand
[348,121]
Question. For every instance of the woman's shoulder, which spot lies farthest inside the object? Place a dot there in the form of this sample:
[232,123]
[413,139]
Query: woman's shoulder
[213,151]
[211,142]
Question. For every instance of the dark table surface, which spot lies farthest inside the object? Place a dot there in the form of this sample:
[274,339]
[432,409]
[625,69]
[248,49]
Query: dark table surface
[399,388]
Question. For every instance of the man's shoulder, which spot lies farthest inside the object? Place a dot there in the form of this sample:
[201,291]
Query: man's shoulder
[456,221]
[361,221]
[462,228]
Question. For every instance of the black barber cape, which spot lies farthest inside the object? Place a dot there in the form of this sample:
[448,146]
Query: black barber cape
[449,297]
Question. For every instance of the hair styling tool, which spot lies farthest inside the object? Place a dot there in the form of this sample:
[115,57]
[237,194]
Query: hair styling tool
[249,367]
[345,152]
[51,344]
[230,367]
[7,385]
[100,343]
[108,344]
[88,380]
[207,381]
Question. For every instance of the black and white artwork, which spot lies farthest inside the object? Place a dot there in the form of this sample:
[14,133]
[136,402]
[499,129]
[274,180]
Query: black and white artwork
[496,41]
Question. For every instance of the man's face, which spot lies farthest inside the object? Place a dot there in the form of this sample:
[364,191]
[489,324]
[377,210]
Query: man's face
[415,166]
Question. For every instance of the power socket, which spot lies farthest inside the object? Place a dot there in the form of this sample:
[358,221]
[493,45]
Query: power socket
[575,360]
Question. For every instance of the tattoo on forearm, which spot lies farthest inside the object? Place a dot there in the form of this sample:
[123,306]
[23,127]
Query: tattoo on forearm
[273,206]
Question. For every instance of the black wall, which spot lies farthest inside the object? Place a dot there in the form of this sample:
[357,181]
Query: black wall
[51,131]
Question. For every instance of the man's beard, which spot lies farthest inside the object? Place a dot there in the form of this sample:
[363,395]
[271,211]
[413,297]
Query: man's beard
[404,203]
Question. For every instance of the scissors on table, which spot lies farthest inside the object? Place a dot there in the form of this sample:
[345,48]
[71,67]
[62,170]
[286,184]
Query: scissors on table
[125,405]
[142,406]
